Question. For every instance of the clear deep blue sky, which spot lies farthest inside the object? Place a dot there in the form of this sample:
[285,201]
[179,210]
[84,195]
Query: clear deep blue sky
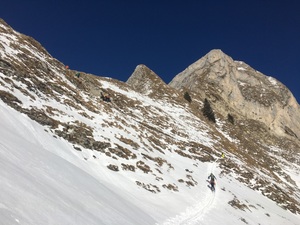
[110,38]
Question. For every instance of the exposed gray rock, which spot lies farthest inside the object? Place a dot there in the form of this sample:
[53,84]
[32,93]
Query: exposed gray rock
[144,80]
[235,87]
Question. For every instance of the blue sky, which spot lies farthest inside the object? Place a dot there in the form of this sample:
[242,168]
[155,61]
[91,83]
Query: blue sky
[110,38]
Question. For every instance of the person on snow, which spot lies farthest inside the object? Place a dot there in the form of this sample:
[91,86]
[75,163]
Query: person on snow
[223,155]
[212,181]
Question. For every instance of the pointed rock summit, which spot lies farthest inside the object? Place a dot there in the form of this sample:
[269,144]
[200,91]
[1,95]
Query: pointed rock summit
[145,81]
[236,88]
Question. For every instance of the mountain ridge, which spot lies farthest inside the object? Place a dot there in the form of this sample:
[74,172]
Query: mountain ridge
[147,122]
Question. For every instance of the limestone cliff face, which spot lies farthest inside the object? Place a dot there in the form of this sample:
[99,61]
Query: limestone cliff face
[235,87]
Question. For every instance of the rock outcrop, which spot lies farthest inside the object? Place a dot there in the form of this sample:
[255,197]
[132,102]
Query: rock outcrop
[147,82]
[236,88]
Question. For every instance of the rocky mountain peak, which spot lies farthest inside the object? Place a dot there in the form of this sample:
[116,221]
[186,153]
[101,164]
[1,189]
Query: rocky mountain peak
[147,82]
[144,80]
[216,55]
[234,87]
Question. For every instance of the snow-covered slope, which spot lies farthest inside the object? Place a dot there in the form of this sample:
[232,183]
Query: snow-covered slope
[44,181]
[68,157]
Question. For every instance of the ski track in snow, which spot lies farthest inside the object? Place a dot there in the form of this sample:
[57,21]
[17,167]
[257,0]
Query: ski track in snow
[196,213]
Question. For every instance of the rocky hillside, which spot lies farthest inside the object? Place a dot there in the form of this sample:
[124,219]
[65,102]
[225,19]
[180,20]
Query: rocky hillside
[144,121]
